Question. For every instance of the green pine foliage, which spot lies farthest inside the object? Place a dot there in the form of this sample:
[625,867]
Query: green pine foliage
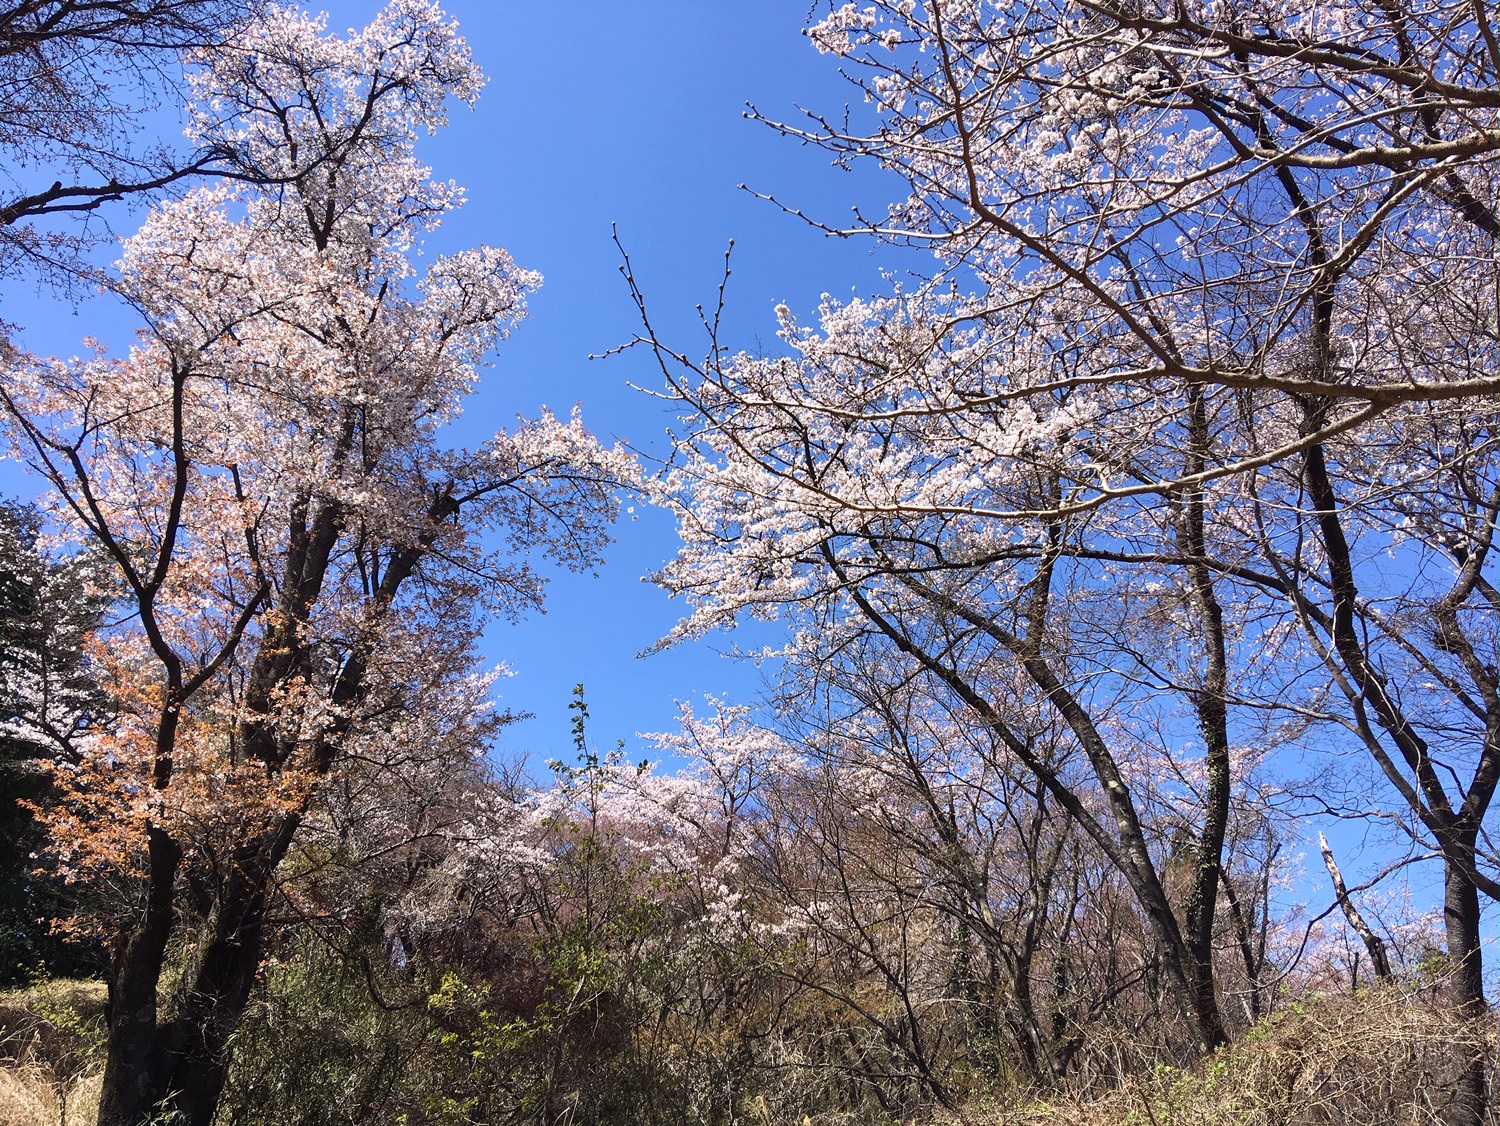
[48,703]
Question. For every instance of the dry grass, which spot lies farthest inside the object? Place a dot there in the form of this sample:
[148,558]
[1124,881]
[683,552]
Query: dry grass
[51,1037]
[58,1022]
[1382,1059]
[28,1096]
[81,1106]
[32,1095]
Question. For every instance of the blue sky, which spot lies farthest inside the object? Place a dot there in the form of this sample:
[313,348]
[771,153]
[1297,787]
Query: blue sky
[599,114]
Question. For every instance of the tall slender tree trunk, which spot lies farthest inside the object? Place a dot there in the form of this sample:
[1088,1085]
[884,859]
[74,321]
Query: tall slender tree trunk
[1461,918]
[1210,703]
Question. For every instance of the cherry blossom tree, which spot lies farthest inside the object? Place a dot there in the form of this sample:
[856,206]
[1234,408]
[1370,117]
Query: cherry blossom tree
[307,561]
[1379,559]
[920,912]
[614,903]
[1186,428]
[892,539]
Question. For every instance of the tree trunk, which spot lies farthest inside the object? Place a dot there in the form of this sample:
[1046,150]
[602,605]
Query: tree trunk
[135,1065]
[1462,920]
[1373,942]
[179,1064]
[1210,703]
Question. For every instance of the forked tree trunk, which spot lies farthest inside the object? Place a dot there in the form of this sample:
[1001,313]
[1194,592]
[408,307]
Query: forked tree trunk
[177,1062]
[1456,832]
[134,1066]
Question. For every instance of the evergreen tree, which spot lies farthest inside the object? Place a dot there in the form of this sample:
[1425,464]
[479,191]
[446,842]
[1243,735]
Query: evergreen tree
[48,702]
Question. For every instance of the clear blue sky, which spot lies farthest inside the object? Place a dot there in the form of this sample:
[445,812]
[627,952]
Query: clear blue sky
[599,113]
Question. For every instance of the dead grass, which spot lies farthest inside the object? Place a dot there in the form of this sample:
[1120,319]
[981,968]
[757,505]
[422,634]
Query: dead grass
[59,1023]
[28,1096]
[1385,1058]
[1381,1059]
[32,1095]
[81,1105]
[51,1041]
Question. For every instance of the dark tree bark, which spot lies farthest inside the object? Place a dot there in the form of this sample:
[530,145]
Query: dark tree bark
[179,1061]
[1382,722]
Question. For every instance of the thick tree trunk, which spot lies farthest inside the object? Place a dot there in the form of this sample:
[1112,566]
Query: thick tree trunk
[135,1066]
[179,1064]
[200,1036]
[1462,919]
